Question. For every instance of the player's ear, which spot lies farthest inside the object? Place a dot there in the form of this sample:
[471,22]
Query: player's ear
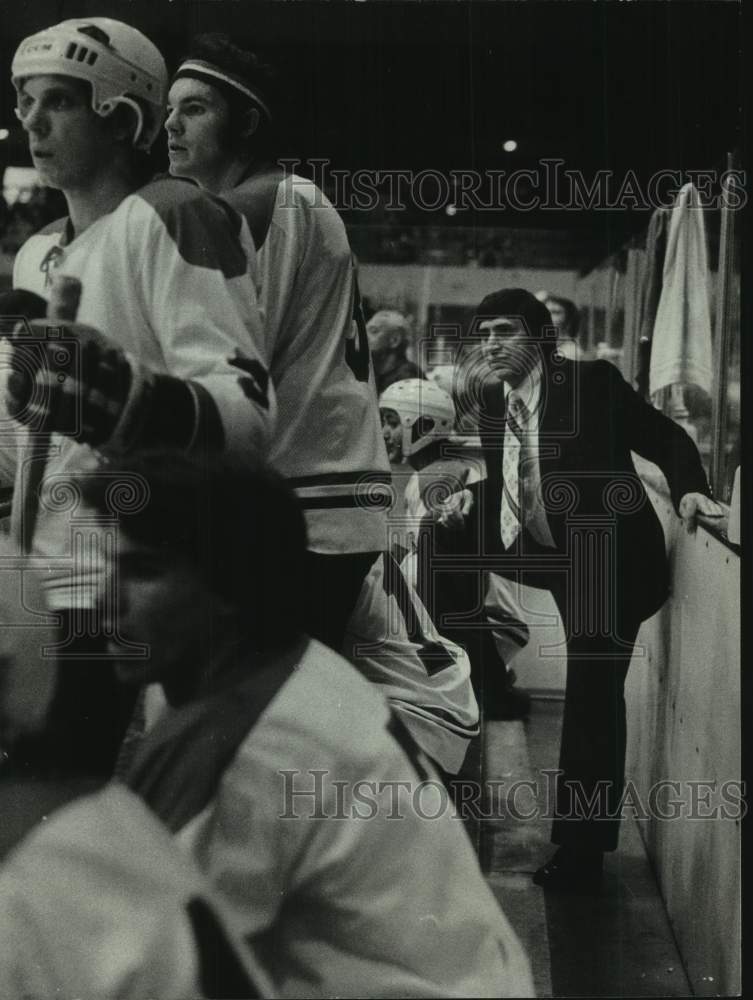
[251,119]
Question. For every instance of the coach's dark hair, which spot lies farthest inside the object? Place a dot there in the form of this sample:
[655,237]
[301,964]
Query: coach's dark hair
[572,315]
[242,529]
[259,75]
[522,304]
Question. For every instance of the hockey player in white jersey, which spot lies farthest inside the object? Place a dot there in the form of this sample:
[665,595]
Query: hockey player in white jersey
[280,768]
[391,639]
[169,346]
[418,418]
[96,898]
[328,443]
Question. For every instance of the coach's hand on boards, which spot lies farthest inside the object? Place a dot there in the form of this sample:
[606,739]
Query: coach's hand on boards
[67,379]
[693,504]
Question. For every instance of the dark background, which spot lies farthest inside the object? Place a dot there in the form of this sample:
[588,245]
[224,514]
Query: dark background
[383,85]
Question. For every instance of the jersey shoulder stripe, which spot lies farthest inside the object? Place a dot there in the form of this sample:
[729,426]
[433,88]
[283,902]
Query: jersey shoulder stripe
[196,222]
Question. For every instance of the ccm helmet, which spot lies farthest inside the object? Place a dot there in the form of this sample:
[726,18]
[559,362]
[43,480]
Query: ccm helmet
[121,65]
[412,398]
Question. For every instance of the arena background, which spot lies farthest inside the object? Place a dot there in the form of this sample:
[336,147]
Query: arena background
[441,86]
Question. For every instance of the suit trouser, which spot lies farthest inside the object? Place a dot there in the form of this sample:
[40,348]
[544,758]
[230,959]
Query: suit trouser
[600,635]
[594,731]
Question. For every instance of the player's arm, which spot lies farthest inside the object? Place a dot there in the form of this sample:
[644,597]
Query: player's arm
[203,306]
[200,380]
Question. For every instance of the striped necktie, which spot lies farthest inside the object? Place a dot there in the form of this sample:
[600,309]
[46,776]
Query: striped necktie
[511,517]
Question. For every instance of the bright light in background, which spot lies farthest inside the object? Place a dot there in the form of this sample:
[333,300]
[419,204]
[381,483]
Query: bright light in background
[19,183]
[4,133]
[510,146]
[451,210]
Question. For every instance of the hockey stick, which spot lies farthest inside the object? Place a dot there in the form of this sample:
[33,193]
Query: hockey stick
[63,305]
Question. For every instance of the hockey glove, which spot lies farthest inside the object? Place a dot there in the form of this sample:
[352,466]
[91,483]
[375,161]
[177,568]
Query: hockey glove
[72,380]
[18,307]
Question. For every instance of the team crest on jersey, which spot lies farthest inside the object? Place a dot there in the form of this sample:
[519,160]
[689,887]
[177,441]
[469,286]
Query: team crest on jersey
[255,382]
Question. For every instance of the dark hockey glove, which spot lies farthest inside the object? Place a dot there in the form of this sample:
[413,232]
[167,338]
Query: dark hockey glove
[19,307]
[69,380]
[72,380]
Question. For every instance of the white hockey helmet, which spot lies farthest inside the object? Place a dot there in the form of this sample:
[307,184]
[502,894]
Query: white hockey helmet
[121,65]
[412,398]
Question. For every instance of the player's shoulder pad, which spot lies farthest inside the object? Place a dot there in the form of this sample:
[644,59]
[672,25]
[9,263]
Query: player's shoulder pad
[304,190]
[255,198]
[56,228]
[305,197]
[204,228]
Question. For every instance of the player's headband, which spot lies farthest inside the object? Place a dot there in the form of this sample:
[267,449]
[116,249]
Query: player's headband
[207,73]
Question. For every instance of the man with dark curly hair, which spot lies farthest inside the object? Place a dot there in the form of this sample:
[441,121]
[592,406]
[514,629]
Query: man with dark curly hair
[563,509]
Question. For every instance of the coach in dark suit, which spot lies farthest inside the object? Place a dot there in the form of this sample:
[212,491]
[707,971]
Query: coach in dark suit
[563,509]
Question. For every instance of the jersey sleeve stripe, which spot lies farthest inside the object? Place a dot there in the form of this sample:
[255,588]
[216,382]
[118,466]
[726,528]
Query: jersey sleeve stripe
[366,501]
[364,477]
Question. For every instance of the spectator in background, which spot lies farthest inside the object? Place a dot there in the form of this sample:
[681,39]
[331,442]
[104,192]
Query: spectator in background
[389,334]
[606,353]
[566,318]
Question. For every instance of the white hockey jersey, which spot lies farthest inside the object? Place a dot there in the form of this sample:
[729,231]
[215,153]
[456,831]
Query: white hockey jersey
[166,276]
[95,902]
[392,641]
[335,848]
[328,442]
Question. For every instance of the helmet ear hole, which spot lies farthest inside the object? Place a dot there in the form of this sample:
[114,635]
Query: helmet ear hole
[422,427]
[127,119]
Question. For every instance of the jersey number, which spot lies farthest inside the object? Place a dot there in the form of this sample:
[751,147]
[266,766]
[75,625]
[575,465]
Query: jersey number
[433,655]
[357,348]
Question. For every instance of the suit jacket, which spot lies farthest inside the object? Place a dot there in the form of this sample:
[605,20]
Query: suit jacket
[607,535]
